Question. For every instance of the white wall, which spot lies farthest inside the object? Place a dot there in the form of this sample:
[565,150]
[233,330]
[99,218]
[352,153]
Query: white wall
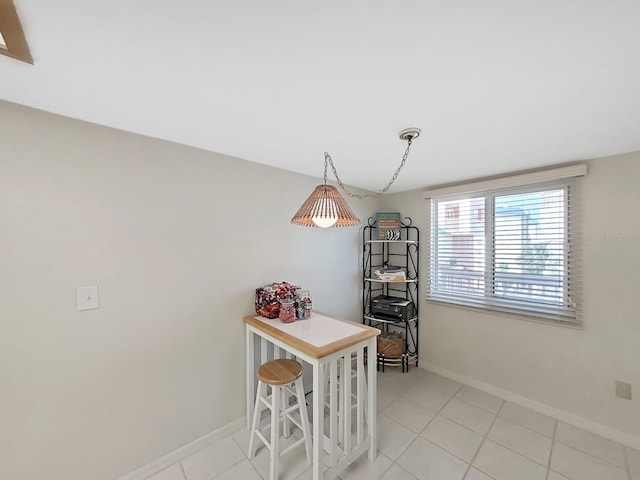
[570,370]
[177,239]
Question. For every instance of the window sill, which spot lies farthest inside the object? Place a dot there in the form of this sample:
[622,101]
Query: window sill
[488,310]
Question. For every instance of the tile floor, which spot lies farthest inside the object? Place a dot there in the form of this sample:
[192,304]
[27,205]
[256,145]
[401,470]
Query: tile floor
[433,428]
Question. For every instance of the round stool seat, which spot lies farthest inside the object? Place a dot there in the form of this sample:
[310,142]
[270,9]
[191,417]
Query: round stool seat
[279,372]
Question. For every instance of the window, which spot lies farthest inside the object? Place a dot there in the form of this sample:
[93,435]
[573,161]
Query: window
[452,216]
[513,248]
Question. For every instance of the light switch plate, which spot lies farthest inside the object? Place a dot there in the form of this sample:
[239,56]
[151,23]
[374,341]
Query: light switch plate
[88,298]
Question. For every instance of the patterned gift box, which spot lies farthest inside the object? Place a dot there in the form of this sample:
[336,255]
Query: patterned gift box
[267,304]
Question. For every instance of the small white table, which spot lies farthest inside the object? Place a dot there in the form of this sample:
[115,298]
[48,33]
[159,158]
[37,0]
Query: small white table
[329,345]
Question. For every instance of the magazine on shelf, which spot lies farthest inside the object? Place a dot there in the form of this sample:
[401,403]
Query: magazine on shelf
[388,225]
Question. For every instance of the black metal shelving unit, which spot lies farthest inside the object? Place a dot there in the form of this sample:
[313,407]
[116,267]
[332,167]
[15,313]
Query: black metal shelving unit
[402,253]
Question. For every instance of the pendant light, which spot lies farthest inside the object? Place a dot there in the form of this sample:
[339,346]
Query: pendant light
[326,208]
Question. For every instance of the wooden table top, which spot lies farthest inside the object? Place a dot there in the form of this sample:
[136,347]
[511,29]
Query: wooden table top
[318,336]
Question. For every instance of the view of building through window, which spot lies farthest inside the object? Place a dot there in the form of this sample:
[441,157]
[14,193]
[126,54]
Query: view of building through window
[515,251]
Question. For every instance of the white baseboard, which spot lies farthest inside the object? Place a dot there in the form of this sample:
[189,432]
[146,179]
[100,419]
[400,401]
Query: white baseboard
[184,451]
[563,416]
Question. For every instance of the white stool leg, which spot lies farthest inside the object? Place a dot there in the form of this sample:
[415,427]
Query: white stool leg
[286,424]
[304,418]
[257,411]
[275,431]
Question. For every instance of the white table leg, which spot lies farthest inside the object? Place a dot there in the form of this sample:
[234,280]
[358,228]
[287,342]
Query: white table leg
[360,393]
[318,421]
[250,375]
[372,384]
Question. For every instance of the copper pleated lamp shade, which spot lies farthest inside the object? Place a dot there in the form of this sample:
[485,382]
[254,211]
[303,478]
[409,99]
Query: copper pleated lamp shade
[325,208]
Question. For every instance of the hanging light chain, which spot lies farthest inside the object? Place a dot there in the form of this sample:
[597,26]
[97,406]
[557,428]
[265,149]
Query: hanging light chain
[327,160]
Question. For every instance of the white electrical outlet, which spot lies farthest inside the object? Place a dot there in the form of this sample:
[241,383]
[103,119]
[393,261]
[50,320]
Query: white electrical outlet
[623,390]
[88,298]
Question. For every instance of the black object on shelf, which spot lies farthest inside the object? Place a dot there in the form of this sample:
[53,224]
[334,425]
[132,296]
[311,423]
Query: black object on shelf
[397,309]
[390,302]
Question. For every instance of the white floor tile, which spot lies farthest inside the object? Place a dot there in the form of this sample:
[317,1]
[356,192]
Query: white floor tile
[427,461]
[394,379]
[242,439]
[397,473]
[212,460]
[385,398]
[633,459]
[578,465]
[480,399]
[428,396]
[174,472]
[475,474]
[504,464]
[454,438]
[409,414]
[393,438]
[290,465]
[306,475]
[445,385]
[556,476]
[468,415]
[243,470]
[591,443]
[528,418]
[526,442]
[363,469]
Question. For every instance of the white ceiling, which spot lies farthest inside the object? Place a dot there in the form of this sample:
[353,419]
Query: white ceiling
[495,85]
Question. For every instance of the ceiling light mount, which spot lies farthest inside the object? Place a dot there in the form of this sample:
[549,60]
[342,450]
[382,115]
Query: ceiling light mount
[326,208]
[409,133]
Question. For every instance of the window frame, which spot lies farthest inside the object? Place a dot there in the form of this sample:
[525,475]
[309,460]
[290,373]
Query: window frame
[567,314]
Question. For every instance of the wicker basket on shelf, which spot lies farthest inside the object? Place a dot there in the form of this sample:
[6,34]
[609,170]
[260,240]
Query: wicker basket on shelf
[391,344]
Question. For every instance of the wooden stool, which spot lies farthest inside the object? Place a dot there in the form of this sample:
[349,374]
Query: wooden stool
[279,375]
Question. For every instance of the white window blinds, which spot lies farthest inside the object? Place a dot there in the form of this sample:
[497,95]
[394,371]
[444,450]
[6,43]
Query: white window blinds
[513,249]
